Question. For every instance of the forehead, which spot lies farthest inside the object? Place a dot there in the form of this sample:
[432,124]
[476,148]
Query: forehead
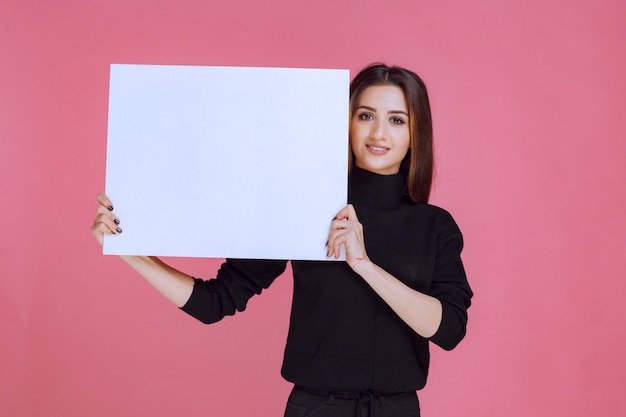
[383,96]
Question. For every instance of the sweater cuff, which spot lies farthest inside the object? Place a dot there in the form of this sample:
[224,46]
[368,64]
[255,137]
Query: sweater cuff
[192,302]
[449,333]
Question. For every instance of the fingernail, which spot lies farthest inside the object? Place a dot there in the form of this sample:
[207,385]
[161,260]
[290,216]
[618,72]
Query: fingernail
[116,221]
[110,208]
[118,230]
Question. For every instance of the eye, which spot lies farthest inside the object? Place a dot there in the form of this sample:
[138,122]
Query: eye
[397,121]
[365,116]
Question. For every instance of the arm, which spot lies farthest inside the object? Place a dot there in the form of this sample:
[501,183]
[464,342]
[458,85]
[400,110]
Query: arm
[237,281]
[420,311]
[440,314]
[173,284]
[208,301]
[176,286]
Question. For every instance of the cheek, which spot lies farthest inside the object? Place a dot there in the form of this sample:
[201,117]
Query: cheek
[406,141]
[354,137]
[353,146]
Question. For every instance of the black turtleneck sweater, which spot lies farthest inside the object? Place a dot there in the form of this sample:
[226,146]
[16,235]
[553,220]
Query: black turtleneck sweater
[342,335]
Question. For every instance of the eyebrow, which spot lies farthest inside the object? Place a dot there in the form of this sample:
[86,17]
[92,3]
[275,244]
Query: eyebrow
[374,110]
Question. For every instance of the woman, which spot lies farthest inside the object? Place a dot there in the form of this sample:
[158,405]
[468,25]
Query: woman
[359,330]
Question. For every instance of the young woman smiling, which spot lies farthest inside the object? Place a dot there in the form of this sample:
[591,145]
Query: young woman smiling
[359,334]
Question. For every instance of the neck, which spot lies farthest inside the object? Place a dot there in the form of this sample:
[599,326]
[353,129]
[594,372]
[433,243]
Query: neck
[376,190]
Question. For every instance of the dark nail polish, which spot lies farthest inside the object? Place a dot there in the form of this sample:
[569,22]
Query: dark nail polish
[110,208]
[118,230]
[116,221]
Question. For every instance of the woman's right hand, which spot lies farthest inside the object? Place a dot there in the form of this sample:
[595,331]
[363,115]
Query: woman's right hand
[106,223]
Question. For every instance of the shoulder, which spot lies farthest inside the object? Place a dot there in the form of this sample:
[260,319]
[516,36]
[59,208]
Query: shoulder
[433,212]
[439,218]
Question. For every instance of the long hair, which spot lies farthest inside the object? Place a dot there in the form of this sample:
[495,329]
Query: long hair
[418,164]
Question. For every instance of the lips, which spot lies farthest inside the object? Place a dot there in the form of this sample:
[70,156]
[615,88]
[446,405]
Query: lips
[377,150]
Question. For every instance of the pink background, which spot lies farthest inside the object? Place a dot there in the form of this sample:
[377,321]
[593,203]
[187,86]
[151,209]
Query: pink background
[529,101]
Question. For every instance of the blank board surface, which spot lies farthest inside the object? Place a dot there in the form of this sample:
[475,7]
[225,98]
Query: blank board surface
[235,162]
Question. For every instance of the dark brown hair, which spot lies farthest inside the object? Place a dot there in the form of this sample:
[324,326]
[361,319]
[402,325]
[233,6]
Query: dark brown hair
[418,163]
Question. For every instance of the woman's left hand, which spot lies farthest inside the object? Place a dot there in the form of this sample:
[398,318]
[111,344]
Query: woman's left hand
[346,230]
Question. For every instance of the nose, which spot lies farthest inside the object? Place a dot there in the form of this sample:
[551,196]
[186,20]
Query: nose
[379,130]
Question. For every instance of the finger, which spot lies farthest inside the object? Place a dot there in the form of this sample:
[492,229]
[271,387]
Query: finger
[335,240]
[103,220]
[104,211]
[347,213]
[341,233]
[344,227]
[340,240]
[104,201]
[343,213]
[338,225]
[99,229]
[345,224]
[352,240]
[330,244]
[352,213]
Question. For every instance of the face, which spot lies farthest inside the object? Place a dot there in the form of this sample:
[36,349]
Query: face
[379,129]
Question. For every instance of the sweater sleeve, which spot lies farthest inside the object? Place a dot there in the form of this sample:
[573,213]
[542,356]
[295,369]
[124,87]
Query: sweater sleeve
[236,282]
[450,284]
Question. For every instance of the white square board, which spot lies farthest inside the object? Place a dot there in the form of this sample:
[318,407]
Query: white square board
[222,162]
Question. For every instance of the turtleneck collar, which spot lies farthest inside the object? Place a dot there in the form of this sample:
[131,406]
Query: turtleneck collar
[375,190]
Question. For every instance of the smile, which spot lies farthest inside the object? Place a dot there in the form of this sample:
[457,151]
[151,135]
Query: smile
[378,150]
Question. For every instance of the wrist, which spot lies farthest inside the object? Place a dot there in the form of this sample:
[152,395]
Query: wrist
[360,265]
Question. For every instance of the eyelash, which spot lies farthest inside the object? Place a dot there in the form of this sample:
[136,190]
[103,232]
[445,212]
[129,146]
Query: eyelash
[393,120]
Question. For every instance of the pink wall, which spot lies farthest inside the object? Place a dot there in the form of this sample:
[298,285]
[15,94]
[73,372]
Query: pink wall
[529,99]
